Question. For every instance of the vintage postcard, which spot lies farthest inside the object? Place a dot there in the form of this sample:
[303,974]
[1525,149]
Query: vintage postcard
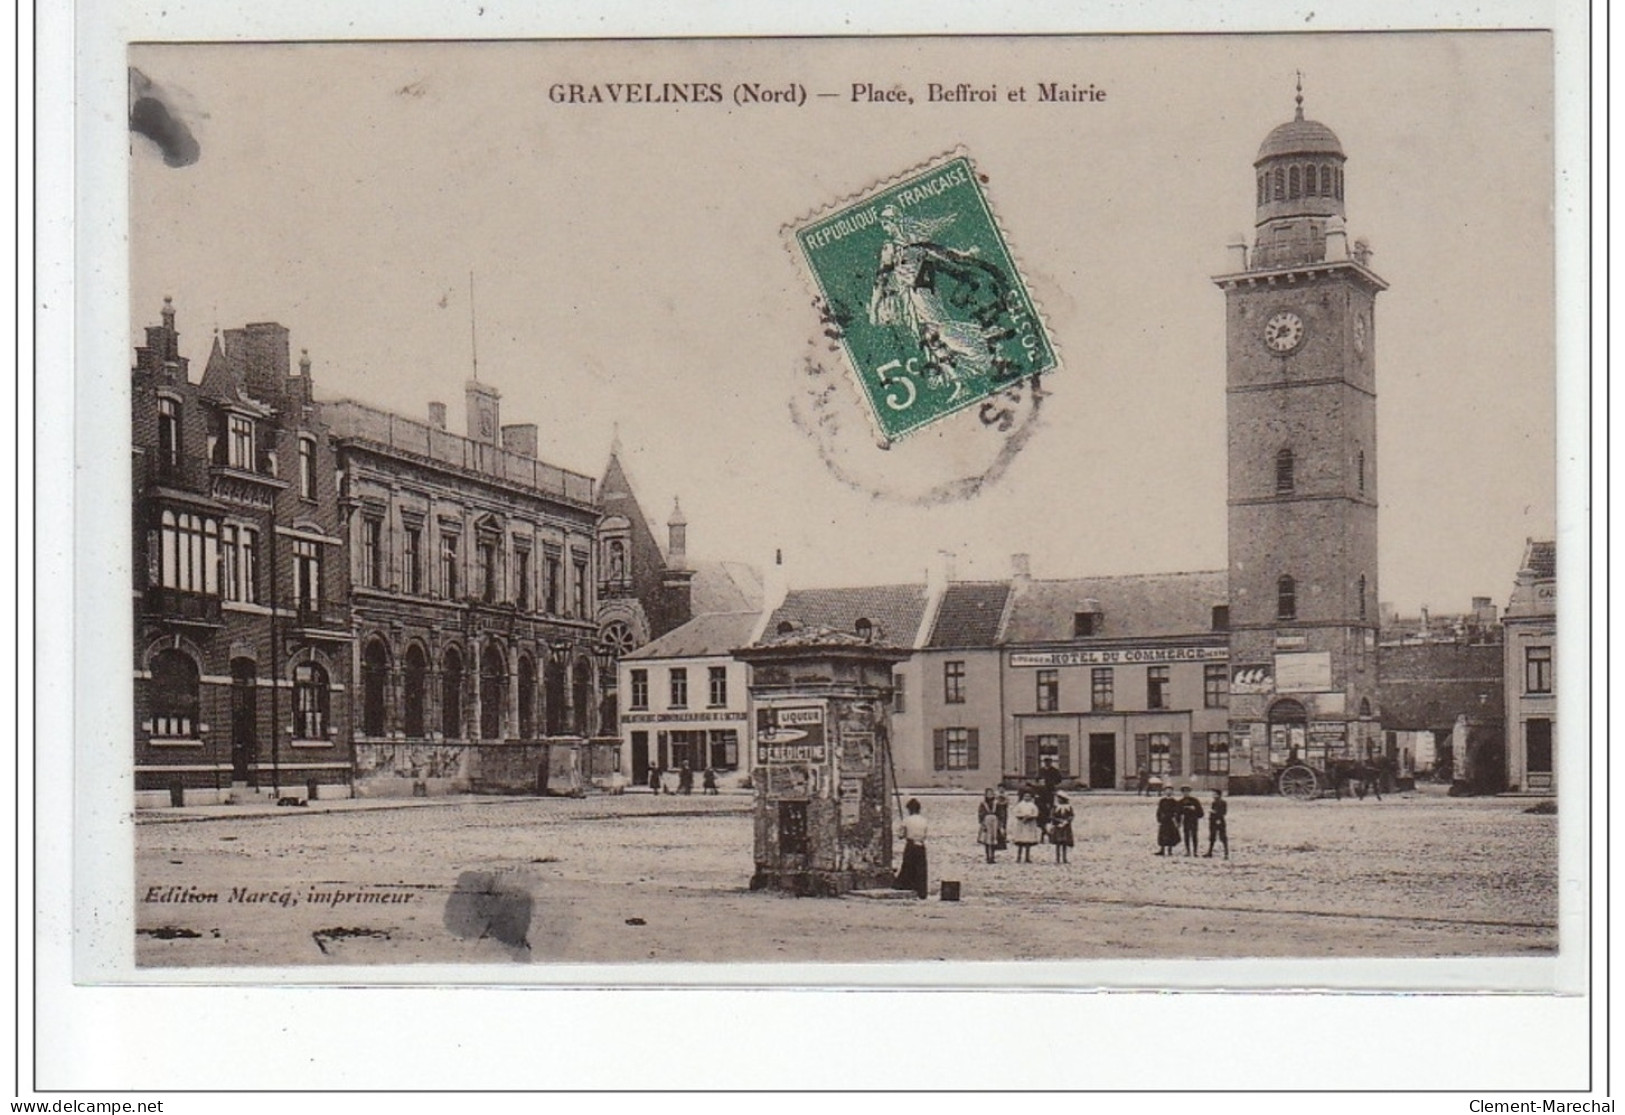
[619,510]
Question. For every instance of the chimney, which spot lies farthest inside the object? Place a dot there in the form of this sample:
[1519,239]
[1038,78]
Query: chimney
[775,587]
[437,415]
[520,439]
[299,386]
[940,573]
[483,411]
[264,358]
[1021,568]
[677,537]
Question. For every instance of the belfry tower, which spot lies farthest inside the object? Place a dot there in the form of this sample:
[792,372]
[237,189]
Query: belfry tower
[1302,418]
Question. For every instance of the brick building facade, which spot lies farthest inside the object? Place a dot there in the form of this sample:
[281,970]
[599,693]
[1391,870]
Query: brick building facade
[242,641]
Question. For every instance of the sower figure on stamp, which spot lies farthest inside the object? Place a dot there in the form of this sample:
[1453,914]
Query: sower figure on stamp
[912,874]
[1190,818]
[1216,830]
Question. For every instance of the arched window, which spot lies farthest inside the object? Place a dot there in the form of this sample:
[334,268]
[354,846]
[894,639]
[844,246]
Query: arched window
[527,698]
[1286,598]
[493,691]
[1339,179]
[785,627]
[1365,708]
[1360,588]
[174,696]
[1284,465]
[416,683]
[617,559]
[374,675]
[582,697]
[310,701]
[1294,184]
[1280,184]
[451,695]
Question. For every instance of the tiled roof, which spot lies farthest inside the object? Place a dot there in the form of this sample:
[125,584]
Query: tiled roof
[1541,559]
[893,610]
[725,586]
[1425,687]
[702,637]
[1132,607]
[818,636]
[969,614]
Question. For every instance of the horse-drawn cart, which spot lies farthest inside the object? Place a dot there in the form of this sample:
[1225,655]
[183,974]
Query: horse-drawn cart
[1306,782]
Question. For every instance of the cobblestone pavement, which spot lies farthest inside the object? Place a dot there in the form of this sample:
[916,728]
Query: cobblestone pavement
[639,878]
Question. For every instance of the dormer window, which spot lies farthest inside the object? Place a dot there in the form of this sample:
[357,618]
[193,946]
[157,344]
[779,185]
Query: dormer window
[1086,623]
[785,627]
[1221,617]
[865,630]
[240,442]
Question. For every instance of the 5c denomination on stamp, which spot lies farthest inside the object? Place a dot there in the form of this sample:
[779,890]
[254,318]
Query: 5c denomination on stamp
[921,288]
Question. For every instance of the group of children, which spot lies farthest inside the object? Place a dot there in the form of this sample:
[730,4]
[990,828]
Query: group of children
[1181,818]
[1033,821]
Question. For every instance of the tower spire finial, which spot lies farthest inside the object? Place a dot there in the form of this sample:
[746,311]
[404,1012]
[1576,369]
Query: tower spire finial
[473,321]
[1299,98]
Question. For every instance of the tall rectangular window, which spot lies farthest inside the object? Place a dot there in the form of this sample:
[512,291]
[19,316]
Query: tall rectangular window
[307,574]
[640,689]
[372,552]
[580,588]
[229,586]
[1286,598]
[718,683]
[521,575]
[1218,753]
[448,564]
[241,443]
[1156,687]
[169,434]
[1537,669]
[550,585]
[899,702]
[1101,696]
[488,570]
[953,683]
[1161,751]
[307,468]
[1215,685]
[1049,690]
[956,748]
[679,687]
[412,560]
[1537,736]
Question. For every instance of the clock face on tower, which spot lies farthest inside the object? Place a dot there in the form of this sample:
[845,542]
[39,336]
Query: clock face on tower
[1283,332]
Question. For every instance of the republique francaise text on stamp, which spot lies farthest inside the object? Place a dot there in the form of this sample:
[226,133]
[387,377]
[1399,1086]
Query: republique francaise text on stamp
[917,278]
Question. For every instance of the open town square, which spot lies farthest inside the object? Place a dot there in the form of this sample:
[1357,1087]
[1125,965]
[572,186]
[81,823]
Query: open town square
[638,878]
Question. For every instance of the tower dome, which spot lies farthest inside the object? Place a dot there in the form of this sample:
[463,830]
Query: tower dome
[1299,172]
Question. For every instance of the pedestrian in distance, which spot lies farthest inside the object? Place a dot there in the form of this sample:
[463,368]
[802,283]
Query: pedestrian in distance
[685,779]
[710,782]
[988,829]
[1167,823]
[1190,819]
[1049,778]
[1003,810]
[912,874]
[1142,783]
[654,779]
[1060,827]
[1216,829]
[1025,834]
[1370,779]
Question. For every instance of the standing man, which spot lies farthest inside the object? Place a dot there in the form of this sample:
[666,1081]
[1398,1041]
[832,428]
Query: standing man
[1143,782]
[1216,829]
[1190,818]
[1050,777]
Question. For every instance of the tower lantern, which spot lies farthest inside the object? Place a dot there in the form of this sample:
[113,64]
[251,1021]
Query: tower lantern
[1299,172]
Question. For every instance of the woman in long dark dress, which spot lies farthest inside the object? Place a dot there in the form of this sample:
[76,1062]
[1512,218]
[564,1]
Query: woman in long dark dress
[912,874]
[1168,835]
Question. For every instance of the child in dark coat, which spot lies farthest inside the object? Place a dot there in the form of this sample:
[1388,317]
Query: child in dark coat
[1216,830]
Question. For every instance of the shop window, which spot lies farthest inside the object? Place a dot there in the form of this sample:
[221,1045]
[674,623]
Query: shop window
[724,749]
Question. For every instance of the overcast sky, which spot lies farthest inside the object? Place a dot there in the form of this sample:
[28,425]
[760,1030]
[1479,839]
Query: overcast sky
[631,269]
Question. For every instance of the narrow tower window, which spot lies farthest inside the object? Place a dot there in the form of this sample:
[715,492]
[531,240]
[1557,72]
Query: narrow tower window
[1361,590]
[1280,184]
[1294,186]
[1359,467]
[1286,598]
[1284,481]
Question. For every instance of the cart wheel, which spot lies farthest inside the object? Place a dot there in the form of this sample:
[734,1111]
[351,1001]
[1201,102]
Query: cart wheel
[1299,782]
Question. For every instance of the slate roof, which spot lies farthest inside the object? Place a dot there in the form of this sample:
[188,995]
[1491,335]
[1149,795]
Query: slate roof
[1141,606]
[725,586]
[1541,559]
[1426,686]
[707,636]
[894,610]
[969,614]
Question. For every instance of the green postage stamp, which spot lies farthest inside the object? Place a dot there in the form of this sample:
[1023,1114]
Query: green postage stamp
[921,289]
